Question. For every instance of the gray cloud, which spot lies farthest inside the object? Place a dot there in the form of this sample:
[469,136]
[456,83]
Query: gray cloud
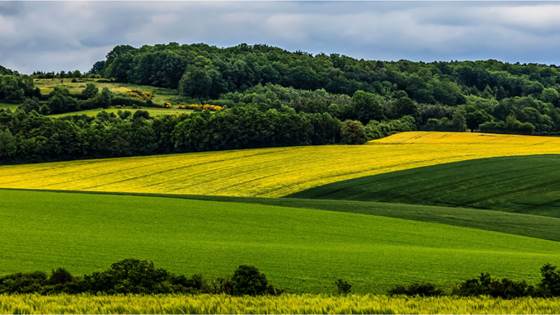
[73,35]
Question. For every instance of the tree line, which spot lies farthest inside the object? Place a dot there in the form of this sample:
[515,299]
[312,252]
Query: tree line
[134,276]
[32,137]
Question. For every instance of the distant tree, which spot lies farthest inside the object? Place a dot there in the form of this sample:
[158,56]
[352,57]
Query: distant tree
[105,98]
[90,91]
[352,132]
[367,106]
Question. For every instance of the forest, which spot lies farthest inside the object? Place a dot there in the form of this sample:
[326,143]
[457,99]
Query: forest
[270,97]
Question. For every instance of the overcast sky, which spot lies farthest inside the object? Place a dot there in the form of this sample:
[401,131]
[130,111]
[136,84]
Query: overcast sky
[73,35]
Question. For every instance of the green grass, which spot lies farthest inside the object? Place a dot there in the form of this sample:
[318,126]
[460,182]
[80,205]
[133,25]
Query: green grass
[161,95]
[299,249]
[527,184]
[8,106]
[154,112]
[514,223]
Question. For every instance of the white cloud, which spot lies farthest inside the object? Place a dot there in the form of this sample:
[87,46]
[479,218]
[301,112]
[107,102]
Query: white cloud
[68,35]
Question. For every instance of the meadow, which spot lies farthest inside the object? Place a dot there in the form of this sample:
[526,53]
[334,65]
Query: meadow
[154,111]
[284,304]
[299,249]
[8,106]
[161,95]
[269,172]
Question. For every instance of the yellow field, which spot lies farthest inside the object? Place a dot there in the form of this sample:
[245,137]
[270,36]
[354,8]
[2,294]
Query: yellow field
[269,172]
[284,304]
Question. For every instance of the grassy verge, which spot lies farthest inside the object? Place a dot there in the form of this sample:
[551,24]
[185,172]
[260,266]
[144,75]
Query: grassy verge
[284,304]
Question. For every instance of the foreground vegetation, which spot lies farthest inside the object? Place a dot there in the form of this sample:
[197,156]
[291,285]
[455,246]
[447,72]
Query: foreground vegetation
[528,184]
[283,304]
[299,249]
[269,172]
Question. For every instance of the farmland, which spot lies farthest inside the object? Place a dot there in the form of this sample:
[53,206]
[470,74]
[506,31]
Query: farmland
[269,172]
[527,184]
[161,95]
[8,106]
[285,304]
[154,111]
[302,250]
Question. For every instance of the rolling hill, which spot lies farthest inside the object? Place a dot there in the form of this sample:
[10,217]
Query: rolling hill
[269,172]
[527,184]
[299,249]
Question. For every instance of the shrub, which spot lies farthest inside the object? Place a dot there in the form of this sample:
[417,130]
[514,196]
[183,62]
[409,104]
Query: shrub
[417,289]
[60,276]
[550,283]
[485,285]
[343,286]
[23,282]
[129,276]
[221,285]
[352,132]
[248,280]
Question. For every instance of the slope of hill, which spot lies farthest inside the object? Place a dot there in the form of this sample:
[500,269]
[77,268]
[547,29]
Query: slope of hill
[528,184]
[299,249]
[269,172]
[507,222]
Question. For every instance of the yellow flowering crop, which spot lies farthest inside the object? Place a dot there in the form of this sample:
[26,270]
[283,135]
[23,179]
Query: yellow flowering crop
[269,172]
[284,304]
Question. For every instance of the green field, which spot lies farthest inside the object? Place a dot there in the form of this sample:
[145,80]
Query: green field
[514,223]
[161,95]
[8,106]
[154,112]
[528,184]
[302,250]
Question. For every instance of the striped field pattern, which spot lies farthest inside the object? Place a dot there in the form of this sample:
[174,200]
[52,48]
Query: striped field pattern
[269,172]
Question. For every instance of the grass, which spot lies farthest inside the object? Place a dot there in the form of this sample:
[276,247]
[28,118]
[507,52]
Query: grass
[161,95]
[514,223]
[302,250]
[269,172]
[527,184]
[284,304]
[10,106]
[154,112]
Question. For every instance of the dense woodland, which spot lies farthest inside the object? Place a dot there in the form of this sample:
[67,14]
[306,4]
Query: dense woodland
[272,97]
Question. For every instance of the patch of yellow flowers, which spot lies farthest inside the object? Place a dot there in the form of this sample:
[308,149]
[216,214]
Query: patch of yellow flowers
[284,304]
[270,172]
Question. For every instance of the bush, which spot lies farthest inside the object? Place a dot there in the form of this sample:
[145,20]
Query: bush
[130,276]
[485,285]
[60,276]
[247,280]
[550,283]
[23,283]
[343,286]
[352,132]
[417,289]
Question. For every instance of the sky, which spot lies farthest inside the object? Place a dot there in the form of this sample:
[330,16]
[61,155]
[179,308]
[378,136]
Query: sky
[53,36]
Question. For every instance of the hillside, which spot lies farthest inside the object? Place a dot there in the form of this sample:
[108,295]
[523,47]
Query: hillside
[299,249]
[528,184]
[269,172]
